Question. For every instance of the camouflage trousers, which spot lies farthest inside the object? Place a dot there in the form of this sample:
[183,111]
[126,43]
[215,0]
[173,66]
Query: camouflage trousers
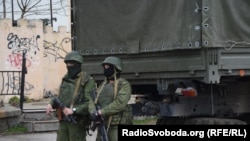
[71,132]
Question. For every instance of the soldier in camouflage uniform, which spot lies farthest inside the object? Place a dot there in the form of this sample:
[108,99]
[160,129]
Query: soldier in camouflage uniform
[69,131]
[114,94]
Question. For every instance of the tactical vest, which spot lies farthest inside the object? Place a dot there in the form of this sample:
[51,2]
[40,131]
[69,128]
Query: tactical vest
[124,117]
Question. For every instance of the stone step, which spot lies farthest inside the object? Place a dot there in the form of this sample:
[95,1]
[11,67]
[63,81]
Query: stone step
[37,115]
[35,119]
[40,126]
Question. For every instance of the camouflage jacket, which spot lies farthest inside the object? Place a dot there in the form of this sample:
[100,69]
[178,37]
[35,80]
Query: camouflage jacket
[83,99]
[115,107]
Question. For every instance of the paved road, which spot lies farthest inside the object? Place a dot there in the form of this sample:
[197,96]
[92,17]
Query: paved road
[45,136]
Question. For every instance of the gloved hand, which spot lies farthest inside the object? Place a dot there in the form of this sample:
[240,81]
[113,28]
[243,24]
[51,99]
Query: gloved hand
[95,116]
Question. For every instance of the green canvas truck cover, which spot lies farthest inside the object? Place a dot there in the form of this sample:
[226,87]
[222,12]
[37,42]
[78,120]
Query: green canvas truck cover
[137,26]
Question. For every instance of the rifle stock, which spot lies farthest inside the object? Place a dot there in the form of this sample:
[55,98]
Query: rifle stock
[60,107]
[59,114]
[100,123]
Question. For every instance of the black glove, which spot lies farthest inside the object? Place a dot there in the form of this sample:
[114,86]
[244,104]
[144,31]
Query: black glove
[95,116]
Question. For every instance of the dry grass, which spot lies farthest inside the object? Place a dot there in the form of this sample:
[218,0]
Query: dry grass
[145,120]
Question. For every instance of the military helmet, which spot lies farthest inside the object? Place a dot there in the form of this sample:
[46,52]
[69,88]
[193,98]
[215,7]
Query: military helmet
[115,61]
[74,56]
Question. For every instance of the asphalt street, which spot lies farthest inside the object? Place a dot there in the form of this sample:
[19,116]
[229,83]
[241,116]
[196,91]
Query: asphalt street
[44,136]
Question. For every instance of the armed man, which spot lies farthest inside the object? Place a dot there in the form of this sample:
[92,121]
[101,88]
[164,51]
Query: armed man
[74,95]
[112,97]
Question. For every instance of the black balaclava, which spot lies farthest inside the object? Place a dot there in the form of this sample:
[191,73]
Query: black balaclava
[74,70]
[109,73]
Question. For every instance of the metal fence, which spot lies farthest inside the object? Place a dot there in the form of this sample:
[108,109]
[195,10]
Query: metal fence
[13,82]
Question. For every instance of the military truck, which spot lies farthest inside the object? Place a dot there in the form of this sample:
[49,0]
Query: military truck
[188,60]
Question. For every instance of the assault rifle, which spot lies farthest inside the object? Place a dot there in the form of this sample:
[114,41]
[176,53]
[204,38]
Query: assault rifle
[100,123]
[60,106]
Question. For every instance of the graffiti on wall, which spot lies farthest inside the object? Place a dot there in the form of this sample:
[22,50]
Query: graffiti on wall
[12,84]
[15,60]
[15,81]
[56,50]
[37,49]
[18,45]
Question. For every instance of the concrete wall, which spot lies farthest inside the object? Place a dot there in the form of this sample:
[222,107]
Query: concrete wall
[45,53]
